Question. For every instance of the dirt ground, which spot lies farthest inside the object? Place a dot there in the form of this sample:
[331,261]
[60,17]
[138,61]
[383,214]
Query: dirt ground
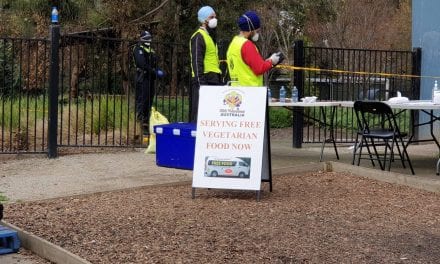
[309,218]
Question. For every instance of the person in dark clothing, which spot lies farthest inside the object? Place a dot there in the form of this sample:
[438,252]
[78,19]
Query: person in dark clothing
[205,69]
[146,73]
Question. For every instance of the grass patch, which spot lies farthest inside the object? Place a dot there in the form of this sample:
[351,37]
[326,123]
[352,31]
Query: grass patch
[3,198]
[16,113]
[113,112]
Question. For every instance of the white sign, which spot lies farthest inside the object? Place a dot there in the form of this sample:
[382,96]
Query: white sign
[230,136]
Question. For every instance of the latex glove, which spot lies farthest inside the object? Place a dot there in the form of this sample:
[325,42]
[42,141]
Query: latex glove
[281,57]
[160,73]
[275,58]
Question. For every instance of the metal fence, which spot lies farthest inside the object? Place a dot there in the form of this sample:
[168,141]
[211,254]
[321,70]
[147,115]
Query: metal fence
[95,101]
[335,74]
[97,95]
[95,98]
[23,95]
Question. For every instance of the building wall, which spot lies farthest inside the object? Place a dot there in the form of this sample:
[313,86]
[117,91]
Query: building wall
[426,35]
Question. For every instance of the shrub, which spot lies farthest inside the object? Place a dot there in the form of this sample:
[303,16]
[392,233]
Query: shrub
[280,117]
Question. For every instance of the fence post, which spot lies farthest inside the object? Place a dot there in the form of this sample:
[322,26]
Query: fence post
[298,61]
[416,70]
[53,92]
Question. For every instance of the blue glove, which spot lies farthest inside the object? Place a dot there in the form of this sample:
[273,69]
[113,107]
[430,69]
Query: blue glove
[160,73]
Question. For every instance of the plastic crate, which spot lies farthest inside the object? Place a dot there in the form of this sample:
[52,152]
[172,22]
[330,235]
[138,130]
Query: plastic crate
[175,145]
[9,241]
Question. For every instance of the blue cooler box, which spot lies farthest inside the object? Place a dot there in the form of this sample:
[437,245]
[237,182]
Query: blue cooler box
[175,145]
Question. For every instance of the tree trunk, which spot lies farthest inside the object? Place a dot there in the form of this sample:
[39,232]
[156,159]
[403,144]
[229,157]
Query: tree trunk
[125,62]
[78,67]
[175,55]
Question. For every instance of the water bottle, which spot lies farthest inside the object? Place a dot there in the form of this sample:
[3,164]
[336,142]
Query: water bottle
[436,93]
[294,94]
[282,94]
[54,16]
[269,95]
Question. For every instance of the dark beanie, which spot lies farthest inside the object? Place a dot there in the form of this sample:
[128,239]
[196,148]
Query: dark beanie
[249,21]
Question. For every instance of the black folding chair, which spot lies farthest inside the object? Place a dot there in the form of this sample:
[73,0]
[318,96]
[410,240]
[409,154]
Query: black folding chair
[378,127]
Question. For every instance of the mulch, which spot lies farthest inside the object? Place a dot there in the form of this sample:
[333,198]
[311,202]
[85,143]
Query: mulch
[321,217]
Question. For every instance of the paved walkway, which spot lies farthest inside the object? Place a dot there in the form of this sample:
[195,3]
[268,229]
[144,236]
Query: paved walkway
[39,178]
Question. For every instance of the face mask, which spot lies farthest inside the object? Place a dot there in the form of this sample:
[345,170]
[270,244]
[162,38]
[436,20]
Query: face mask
[212,23]
[255,37]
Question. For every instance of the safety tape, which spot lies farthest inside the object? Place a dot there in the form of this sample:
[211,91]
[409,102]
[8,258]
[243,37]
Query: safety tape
[288,67]
[291,68]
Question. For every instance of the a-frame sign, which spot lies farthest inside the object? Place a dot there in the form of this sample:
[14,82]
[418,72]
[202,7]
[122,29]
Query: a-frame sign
[232,143]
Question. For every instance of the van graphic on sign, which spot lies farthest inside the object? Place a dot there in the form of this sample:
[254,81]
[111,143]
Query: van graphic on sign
[227,167]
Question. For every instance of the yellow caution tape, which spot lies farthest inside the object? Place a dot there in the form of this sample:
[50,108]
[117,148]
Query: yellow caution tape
[291,68]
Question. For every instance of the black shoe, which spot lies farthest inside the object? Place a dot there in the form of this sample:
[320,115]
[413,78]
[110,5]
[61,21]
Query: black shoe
[145,128]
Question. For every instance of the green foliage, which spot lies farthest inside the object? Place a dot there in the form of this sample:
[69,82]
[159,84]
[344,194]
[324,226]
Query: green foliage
[31,6]
[69,9]
[3,198]
[105,112]
[24,24]
[102,113]
[95,19]
[9,79]
[16,113]
[175,110]
[280,117]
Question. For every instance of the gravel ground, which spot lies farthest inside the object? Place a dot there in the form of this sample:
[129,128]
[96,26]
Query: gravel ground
[308,218]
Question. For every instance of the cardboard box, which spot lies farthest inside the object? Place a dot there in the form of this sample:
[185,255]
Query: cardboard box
[175,145]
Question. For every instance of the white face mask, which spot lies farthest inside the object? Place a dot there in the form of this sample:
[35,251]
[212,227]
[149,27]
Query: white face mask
[212,23]
[255,37]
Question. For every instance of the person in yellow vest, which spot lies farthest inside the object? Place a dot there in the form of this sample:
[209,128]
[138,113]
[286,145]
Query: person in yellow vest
[205,68]
[246,66]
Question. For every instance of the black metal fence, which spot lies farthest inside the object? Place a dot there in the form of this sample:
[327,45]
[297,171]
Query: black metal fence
[335,74]
[97,96]
[96,104]
[96,92]
[23,95]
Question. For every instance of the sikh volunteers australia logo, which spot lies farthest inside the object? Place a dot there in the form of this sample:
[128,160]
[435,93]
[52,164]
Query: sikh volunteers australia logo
[232,100]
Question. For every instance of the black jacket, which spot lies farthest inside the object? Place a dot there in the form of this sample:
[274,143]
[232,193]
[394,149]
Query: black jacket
[145,59]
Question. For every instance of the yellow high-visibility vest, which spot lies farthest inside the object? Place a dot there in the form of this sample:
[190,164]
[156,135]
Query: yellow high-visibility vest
[210,61]
[147,49]
[241,74]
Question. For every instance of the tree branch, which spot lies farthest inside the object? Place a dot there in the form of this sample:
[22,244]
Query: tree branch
[149,13]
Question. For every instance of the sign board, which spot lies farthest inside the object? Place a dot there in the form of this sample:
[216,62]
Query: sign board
[230,138]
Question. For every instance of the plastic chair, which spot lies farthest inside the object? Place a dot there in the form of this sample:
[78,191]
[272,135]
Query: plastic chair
[378,127]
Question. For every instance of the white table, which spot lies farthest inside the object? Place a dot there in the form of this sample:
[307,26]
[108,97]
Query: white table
[298,106]
[302,104]
[426,106]
[410,105]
